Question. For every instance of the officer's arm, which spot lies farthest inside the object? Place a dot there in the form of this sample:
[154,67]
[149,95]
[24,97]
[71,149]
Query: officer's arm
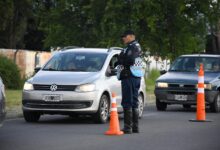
[133,53]
[121,59]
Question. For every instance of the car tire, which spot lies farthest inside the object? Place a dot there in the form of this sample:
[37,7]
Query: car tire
[31,116]
[161,106]
[140,105]
[102,114]
[215,106]
[186,106]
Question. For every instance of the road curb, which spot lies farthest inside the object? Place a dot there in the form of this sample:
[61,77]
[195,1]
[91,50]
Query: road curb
[14,112]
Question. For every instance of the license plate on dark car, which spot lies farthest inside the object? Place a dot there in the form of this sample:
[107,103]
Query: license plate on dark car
[180,97]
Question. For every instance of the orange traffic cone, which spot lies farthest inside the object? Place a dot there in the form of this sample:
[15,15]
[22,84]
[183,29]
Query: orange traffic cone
[200,108]
[114,128]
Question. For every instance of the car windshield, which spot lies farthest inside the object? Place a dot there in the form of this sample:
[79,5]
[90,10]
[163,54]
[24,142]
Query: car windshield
[76,61]
[191,64]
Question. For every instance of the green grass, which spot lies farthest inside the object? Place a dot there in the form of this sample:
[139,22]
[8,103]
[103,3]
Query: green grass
[13,98]
[150,81]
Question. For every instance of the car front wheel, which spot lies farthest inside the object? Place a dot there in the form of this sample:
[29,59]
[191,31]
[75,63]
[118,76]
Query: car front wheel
[215,106]
[161,106]
[103,111]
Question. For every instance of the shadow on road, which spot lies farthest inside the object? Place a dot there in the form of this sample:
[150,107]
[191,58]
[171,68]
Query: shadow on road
[176,108]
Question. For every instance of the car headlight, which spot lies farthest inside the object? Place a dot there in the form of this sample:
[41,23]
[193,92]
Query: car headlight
[85,88]
[28,86]
[162,84]
[206,86]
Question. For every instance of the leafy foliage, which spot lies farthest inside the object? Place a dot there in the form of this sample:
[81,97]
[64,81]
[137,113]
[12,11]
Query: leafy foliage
[14,16]
[9,72]
[150,80]
[167,28]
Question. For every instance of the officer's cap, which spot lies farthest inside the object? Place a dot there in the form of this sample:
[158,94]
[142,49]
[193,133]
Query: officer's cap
[127,32]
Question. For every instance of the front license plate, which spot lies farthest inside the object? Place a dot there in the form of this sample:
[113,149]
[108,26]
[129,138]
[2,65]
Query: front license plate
[180,97]
[52,98]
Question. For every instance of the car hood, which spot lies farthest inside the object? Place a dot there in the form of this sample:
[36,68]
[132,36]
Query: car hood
[186,77]
[64,78]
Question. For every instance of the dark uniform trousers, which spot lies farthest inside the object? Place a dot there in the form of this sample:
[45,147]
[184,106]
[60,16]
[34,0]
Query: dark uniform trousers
[130,88]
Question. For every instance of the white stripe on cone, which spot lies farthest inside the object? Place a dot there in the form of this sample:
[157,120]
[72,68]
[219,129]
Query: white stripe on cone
[113,109]
[113,100]
[201,79]
[200,90]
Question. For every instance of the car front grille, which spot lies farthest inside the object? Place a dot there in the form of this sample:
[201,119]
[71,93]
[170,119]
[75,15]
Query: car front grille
[182,86]
[43,87]
[182,92]
[57,105]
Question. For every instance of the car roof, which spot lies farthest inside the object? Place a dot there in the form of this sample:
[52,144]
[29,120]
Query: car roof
[200,55]
[93,50]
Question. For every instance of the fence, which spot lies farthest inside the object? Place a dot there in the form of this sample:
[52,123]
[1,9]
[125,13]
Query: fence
[26,60]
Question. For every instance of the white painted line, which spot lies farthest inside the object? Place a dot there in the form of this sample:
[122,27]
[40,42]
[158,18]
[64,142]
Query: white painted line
[149,114]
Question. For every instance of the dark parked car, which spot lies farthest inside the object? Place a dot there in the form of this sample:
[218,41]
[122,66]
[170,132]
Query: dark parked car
[179,84]
[2,102]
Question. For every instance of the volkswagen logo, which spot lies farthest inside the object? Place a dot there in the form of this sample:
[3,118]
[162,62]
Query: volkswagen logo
[53,87]
[181,85]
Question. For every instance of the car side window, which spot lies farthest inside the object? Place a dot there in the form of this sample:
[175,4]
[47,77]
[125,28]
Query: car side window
[112,65]
[114,62]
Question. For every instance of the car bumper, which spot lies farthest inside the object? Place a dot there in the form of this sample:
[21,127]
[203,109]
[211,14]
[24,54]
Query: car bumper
[169,96]
[69,101]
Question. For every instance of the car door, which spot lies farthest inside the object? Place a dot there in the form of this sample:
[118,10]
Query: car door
[112,81]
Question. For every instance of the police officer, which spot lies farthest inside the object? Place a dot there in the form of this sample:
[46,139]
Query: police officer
[130,83]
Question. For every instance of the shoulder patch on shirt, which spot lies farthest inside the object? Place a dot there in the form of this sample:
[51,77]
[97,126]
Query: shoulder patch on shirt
[137,44]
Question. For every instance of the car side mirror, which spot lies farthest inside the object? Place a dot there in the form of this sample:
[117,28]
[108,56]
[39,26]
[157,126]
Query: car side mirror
[162,72]
[111,72]
[37,69]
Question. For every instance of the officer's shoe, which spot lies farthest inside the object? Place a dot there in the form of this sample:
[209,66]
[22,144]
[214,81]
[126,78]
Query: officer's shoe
[135,130]
[127,131]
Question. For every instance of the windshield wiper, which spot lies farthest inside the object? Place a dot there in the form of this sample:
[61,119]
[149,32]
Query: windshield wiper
[50,69]
[175,70]
[182,70]
[68,70]
[74,70]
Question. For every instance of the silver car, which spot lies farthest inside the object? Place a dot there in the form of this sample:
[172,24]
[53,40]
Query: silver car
[76,81]
[2,102]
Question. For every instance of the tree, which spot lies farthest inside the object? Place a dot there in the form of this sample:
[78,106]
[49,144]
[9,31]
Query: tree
[167,28]
[14,22]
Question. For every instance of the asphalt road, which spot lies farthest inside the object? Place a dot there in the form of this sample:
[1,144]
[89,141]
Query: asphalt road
[170,130]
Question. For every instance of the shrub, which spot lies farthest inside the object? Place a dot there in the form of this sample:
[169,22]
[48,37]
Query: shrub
[10,73]
[150,80]
[153,75]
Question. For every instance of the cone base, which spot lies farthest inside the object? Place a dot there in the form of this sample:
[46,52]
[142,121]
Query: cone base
[194,120]
[114,133]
